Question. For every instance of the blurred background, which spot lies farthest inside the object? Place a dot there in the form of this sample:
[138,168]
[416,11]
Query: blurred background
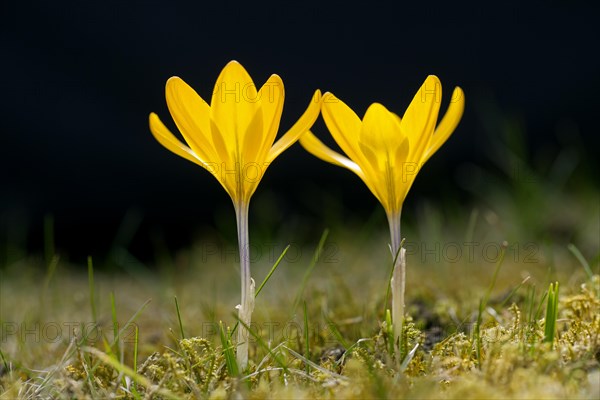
[81,172]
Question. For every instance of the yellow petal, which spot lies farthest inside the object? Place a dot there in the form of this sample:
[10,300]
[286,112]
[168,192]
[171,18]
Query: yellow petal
[253,139]
[191,115]
[419,119]
[233,105]
[382,144]
[314,146]
[380,131]
[225,155]
[250,168]
[343,124]
[304,123]
[404,174]
[448,123]
[226,167]
[258,144]
[168,140]
[317,148]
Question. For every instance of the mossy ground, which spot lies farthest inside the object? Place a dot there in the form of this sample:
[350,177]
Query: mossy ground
[49,332]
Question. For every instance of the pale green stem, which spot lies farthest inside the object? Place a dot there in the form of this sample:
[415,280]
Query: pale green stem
[398,275]
[247,284]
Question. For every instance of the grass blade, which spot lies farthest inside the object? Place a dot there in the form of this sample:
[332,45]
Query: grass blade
[515,290]
[51,270]
[273,268]
[4,362]
[483,302]
[311,266]
[130,321]
[91,286]
[551,314]
[49,248]
[230,359]
[135,347]
[306,337]
[471,225]
[389,330]
[179,318]
[315,365]
[499,263]
[586,266]
[336,332]
[408,358]
[115,321]
[538,313]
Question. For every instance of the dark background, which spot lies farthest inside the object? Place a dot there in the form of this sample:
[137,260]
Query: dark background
[80,78]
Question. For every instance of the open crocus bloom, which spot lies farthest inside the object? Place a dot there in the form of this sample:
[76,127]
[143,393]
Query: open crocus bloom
[233,136]
[233,139]
[386,152]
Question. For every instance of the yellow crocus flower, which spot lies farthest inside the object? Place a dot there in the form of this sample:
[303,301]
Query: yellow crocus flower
[387,152]
[234,139]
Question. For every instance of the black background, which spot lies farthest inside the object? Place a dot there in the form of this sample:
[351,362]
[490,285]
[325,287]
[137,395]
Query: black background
[80,78]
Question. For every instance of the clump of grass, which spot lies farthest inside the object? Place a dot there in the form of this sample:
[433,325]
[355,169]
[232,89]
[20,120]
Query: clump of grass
[551,314]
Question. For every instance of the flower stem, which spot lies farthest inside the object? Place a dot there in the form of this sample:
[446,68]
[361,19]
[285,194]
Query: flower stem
[247,285]
[398,275]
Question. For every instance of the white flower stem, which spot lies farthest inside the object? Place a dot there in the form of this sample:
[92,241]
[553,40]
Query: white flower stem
[398,275]
[247,284]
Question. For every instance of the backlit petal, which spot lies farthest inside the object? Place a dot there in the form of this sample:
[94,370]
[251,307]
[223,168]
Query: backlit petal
[251,169]
[233,105]
[343,124]
[419,120]
[168,140]
[380,131]
[224,154]
[226,167]
[381,141]
[253,139]
[314,146]
[191,115]
[317,148]
[448,123]
[304,123]
[271,96]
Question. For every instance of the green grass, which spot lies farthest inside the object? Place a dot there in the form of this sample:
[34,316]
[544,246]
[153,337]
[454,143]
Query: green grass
[335,346]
